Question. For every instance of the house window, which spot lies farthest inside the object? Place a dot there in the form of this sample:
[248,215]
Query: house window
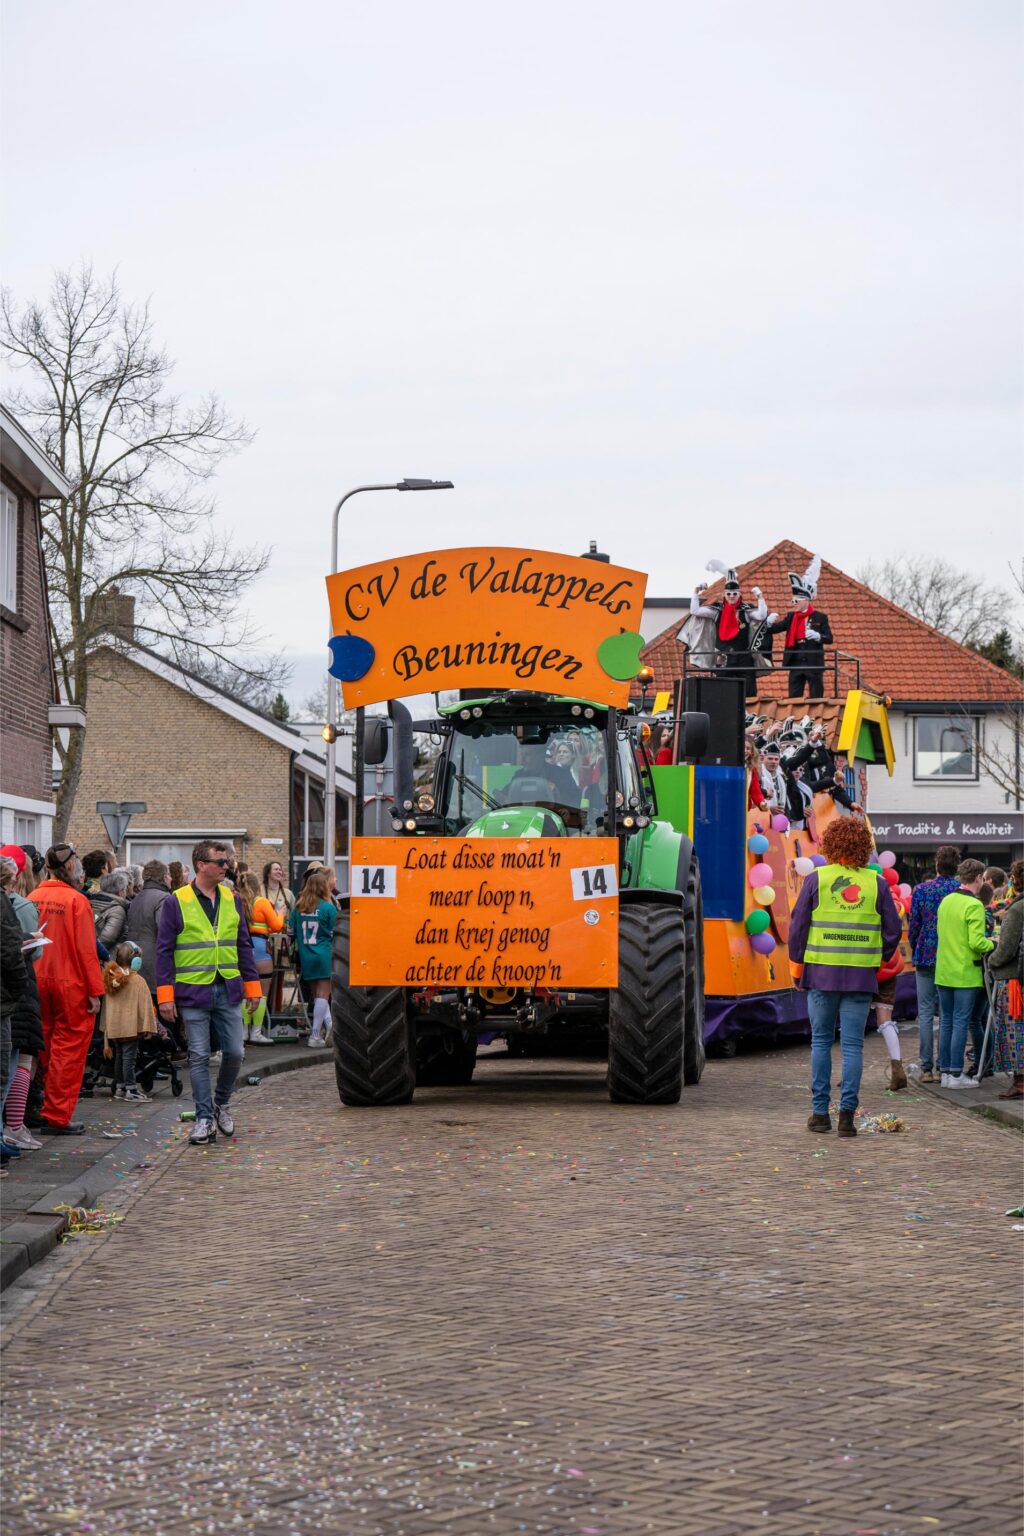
[26,830]
[8,549]
[945,747]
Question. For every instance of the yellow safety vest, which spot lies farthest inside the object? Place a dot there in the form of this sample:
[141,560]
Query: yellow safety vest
[846,928]
[200,954]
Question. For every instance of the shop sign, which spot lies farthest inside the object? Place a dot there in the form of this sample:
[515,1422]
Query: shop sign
[956,827]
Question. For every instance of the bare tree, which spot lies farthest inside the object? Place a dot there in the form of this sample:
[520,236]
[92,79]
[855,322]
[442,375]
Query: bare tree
[1001,754]
[965,607]
[97,395]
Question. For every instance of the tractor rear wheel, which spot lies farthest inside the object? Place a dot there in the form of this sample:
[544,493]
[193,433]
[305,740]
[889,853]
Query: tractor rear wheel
[374,1041]
[646,1010]
[694,1055]
[447,1060]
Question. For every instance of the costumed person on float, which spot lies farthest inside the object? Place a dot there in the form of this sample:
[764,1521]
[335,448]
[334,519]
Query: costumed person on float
[807,634]
[822,770]
[735,625]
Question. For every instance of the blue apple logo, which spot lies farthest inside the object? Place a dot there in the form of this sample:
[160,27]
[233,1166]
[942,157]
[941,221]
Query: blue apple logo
[351,657]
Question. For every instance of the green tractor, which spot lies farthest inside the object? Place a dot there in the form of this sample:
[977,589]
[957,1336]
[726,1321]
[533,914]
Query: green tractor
[532,765]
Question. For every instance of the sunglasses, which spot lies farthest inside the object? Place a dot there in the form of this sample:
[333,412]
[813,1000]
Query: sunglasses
[220,863]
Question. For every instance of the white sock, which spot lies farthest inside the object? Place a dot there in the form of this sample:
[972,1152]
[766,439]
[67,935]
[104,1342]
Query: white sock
[321,1015]
[890,1035]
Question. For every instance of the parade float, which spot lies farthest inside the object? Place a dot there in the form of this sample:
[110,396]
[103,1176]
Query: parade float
[553,876]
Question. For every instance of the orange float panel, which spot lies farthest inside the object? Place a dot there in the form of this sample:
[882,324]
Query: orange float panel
[489,619]
[484,912]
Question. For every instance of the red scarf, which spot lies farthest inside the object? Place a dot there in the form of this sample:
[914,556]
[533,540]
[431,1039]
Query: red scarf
[728,621]
[798,626]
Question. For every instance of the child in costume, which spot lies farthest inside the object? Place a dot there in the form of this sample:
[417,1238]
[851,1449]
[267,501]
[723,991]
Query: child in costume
[128,1017]
[312,924]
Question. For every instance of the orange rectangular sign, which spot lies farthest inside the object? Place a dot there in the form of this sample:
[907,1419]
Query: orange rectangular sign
[488,619]
[484,912]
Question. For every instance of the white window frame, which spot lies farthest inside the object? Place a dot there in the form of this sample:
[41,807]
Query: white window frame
[958,722]
[10,519]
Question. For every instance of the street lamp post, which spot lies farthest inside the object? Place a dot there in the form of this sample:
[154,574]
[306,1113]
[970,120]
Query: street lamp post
[331,727]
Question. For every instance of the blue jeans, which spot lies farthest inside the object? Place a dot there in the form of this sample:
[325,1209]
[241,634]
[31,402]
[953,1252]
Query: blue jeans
[927,1007]
[223,1022]
[959,1008]
[850,1011]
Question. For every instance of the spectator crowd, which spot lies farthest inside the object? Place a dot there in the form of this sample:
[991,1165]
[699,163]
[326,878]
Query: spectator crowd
[110,972]
[128,966]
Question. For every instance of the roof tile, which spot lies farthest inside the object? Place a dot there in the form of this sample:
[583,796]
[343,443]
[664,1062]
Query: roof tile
[899,655]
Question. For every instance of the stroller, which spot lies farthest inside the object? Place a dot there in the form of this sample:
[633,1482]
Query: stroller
[154,1063]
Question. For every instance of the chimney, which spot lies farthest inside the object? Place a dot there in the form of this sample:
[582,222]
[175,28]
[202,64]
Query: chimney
[113,612]
[593,553]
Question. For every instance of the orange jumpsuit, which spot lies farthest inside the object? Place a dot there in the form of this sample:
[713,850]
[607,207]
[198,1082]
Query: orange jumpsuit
[68,975]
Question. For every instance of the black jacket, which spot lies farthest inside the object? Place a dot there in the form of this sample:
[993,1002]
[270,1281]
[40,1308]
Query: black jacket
[806,653]
[27,1018]
[13,965]
[819,763]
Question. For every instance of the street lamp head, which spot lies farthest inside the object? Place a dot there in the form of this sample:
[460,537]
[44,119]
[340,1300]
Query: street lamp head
[425,485]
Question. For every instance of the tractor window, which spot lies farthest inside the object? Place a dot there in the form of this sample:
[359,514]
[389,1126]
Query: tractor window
[560,766]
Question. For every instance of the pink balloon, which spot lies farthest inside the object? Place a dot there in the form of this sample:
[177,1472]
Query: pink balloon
[905,891]
[887,859]
[762,943]
[780,823]
[761,874]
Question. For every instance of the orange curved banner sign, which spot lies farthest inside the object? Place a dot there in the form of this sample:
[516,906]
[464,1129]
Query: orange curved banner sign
[489,619]
[484,912]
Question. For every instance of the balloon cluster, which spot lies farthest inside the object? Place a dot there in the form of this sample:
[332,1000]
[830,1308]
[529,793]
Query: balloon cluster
[759,878]
[885,865]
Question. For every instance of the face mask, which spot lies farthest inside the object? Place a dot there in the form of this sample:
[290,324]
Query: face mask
[136,964]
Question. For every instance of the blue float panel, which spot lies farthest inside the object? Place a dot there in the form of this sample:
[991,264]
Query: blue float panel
[720,838]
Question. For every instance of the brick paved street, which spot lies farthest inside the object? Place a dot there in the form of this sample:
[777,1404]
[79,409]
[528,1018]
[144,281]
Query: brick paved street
[517,1308]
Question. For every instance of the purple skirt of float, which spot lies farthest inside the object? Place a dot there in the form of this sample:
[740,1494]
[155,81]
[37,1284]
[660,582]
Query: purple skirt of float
[762,1015]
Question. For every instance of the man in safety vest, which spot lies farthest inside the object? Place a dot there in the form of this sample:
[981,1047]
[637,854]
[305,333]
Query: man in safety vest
[204,966]
[843,927]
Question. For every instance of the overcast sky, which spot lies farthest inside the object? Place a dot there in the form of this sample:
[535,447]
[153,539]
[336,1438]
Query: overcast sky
[685,281]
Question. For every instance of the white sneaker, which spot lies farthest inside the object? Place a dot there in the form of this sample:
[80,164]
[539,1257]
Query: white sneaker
[136,1095]
[23,1138]
[315,1040]
[224,1118]
[203,1132]
[260,1039]
[961,1080]
[215,1059]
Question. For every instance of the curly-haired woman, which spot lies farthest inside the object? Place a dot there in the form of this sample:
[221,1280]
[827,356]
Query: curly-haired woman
[843,927]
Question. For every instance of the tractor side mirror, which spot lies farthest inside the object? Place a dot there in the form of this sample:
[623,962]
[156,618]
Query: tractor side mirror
[695,736]
[375,742]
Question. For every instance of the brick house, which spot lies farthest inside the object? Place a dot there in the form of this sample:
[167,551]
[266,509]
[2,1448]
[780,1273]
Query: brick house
[28,692]
[204,763]
[954,716]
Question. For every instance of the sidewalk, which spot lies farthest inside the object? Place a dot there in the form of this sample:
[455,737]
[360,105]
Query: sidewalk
[984,1100]
[118,1142]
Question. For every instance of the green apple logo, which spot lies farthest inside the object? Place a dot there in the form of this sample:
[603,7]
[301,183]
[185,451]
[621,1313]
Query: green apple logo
[619,655]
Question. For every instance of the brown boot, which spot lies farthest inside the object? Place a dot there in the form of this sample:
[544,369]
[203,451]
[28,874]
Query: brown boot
[846,1125]
[897,1076]
[820,1123]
